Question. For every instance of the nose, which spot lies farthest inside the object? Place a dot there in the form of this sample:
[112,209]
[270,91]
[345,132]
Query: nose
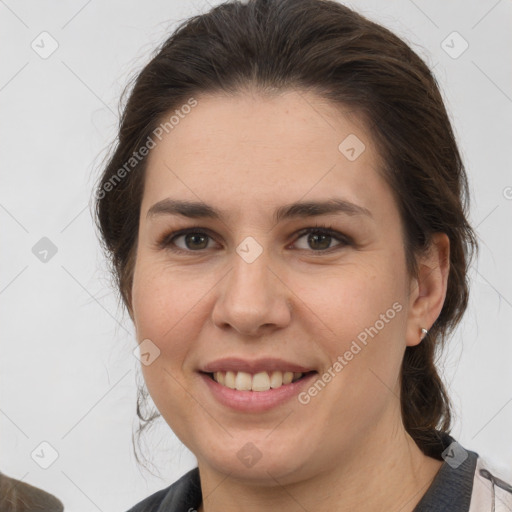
[253,298]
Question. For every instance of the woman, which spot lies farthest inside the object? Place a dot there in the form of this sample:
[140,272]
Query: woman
[285,212]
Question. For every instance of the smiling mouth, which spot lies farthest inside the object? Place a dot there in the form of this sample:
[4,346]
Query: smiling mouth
[261,381]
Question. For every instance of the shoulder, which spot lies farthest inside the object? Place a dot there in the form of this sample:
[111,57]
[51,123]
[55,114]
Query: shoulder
[466,482]
[490,492]
[182,495]
[151,503]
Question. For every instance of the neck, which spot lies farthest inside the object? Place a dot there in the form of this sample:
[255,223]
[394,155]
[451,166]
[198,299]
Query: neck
[387,472]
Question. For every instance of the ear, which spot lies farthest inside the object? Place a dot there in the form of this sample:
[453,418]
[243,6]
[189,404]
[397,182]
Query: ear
[428,291]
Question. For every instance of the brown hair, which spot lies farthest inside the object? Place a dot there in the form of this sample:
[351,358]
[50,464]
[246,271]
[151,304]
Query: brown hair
[324,47]
[19,496]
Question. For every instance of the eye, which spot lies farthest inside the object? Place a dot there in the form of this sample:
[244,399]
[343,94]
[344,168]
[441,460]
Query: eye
[194,239]
[320,238]
[197,239]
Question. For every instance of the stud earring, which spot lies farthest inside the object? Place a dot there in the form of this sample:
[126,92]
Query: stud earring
[424,332]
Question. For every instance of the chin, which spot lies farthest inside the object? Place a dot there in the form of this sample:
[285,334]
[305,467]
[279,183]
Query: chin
[259,463]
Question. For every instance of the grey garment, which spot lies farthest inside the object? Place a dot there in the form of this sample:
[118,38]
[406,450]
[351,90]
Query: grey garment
[452,487]
[450,491]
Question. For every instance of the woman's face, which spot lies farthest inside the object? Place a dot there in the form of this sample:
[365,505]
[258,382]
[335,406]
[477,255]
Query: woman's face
[250,291]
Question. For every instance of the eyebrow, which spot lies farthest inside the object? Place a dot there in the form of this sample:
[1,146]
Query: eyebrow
[304,209]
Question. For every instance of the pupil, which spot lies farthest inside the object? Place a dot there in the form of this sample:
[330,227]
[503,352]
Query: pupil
[315,237]
[193,236]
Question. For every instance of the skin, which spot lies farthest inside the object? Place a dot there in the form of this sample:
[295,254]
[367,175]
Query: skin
[347,448]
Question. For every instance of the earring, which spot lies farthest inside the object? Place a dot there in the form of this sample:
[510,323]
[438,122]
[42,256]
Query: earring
[424,332]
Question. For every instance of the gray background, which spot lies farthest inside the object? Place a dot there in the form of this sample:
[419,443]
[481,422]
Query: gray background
[67,370]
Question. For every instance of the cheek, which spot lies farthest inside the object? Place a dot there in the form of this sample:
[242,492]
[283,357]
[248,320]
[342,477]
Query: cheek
[364,312]
[164,314]
[160,315]
[161,300]
[169,309]
[354,299]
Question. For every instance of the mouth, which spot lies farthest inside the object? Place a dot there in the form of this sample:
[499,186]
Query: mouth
[257,382]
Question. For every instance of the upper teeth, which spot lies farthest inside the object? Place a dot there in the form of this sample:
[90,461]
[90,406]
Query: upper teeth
[261,381]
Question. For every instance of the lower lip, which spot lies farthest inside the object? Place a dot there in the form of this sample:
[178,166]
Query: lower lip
[255,401]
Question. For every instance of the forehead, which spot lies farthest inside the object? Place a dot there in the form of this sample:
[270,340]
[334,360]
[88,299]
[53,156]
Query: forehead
[253,151]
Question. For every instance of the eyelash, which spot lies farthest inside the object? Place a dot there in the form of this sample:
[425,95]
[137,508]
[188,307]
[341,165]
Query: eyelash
[167,240]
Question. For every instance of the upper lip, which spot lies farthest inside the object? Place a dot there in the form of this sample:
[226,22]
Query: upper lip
[253,365]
